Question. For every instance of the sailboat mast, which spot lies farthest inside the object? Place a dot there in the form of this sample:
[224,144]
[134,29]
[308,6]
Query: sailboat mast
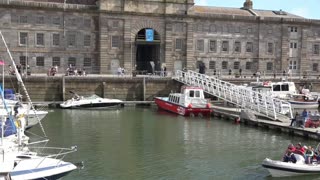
[22,84]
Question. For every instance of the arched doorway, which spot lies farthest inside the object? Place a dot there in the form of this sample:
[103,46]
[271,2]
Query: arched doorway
[148,51]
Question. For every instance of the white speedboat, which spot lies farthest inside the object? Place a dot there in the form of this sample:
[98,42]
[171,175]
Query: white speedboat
[92,101]
[284,169]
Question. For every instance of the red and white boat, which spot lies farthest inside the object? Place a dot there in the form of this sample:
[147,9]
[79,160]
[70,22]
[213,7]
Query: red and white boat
[190,102]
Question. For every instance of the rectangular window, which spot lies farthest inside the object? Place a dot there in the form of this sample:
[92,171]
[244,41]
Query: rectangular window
[56,20]
[224,65]
[248,65]
[40,20]
[23,60]
[87,23]
[115,41]
[56,61]
[212,65]
[40,39]
[293,45]
[225,46]
[71,40]
[73,22]
[315,67]
[115,24]
[23,19]
[200,45]
[55,39]
[213,46]
[87,40]
[178,44]
[72,61]
[213,28]
[293,29]
[270,48]
[237,47]
[23,38]
[249,47]
[292,64]
[236,65]
[87,62]
[269,66]
[316,49]
[40,61]
[249,30]
[237,29]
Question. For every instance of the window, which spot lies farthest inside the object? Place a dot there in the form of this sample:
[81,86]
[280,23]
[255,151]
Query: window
[269,66]
[55,39]
[316,49]
[270,31]
[225,46]
[212,65]
[23,60]
[178,27]
[23,38]
[249,47]
[292,64]
[285,87]
[224,65]
[40,20]
[293,29]
[23,19]
[237,29]
[293,45]
[191,93]
[276,87]
[249,30]
[200,45]
[71,39]
[87,40]
[236,65]
[315,67]
[199,27]
[40,61]
[270,48]
[197,93]
[237,46]
[213,46]
[87,62]
[56,61]
[248,65]
[213,29]
[87,23]
[73,22]
[178,44]
[115,41]
[40,39]
[72,61]
[115,24]
[56,20]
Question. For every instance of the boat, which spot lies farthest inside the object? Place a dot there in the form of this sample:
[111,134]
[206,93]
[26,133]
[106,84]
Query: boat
[285,169]
[190,102]
[286,90]
[21,159]
[93,101]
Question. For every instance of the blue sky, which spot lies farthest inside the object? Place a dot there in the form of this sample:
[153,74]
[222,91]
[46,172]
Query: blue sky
[305,8]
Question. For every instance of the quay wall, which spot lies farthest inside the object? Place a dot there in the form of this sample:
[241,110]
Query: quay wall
[50,89]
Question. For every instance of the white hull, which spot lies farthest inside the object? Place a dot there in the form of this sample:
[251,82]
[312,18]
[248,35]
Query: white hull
[304,105]
[285,169]
[90,102]
[32,119]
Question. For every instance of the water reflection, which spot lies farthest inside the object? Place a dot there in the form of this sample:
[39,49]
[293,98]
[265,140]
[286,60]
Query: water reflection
[144,143]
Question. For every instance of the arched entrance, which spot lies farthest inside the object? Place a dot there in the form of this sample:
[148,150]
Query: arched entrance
[148,51]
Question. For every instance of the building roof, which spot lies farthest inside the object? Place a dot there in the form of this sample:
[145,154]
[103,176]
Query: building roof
[210,10]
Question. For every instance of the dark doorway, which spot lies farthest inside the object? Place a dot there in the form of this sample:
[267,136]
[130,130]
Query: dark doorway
[148,53]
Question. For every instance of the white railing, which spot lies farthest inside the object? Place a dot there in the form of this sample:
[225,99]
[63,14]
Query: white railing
[239,95]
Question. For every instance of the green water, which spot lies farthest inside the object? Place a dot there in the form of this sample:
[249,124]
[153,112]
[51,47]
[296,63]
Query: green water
[144,143]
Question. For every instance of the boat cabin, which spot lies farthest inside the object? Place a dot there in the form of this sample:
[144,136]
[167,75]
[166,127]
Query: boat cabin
[275,89]
[189,95]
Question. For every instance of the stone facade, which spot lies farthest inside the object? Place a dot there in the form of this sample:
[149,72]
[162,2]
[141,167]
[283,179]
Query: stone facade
[102,35]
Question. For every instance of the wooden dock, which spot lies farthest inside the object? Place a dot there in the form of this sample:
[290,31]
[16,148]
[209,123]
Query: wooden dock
[232,113]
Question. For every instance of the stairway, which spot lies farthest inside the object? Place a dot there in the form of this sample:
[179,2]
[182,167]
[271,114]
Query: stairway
[242,96]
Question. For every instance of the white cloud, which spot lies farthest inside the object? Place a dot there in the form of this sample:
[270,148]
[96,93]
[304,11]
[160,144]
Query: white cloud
[302,11]
[201,2]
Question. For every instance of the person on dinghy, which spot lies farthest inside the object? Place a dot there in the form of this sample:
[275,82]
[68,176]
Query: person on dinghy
[300,150]
[309,154]
[289,155]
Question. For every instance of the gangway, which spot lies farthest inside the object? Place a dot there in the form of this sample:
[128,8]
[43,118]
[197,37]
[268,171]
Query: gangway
[241,96]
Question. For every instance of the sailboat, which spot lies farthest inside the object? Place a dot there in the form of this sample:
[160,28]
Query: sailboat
[21,159]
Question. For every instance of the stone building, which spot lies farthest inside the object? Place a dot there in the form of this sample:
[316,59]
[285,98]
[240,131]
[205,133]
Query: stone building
[101,35]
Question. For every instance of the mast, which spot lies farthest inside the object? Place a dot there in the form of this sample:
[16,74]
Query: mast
[22,84]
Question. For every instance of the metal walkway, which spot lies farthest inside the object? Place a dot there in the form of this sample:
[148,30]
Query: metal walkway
[243,97]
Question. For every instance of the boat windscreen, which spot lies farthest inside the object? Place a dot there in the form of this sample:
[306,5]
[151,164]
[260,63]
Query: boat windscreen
[94,96]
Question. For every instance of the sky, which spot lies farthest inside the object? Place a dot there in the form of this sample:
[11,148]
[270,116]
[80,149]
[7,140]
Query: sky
[305,8]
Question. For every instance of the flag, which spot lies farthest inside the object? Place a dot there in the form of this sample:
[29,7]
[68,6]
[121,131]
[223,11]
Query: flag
[1,62]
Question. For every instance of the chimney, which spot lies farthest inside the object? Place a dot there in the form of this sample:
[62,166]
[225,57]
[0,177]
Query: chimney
[247,5]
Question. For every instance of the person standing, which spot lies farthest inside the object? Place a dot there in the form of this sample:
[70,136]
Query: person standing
[240,72]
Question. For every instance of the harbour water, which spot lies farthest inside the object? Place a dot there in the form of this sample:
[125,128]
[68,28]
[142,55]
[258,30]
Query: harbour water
[145,143]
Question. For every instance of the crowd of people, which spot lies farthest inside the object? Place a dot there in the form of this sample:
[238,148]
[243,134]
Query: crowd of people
[310,154]
[302,120]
